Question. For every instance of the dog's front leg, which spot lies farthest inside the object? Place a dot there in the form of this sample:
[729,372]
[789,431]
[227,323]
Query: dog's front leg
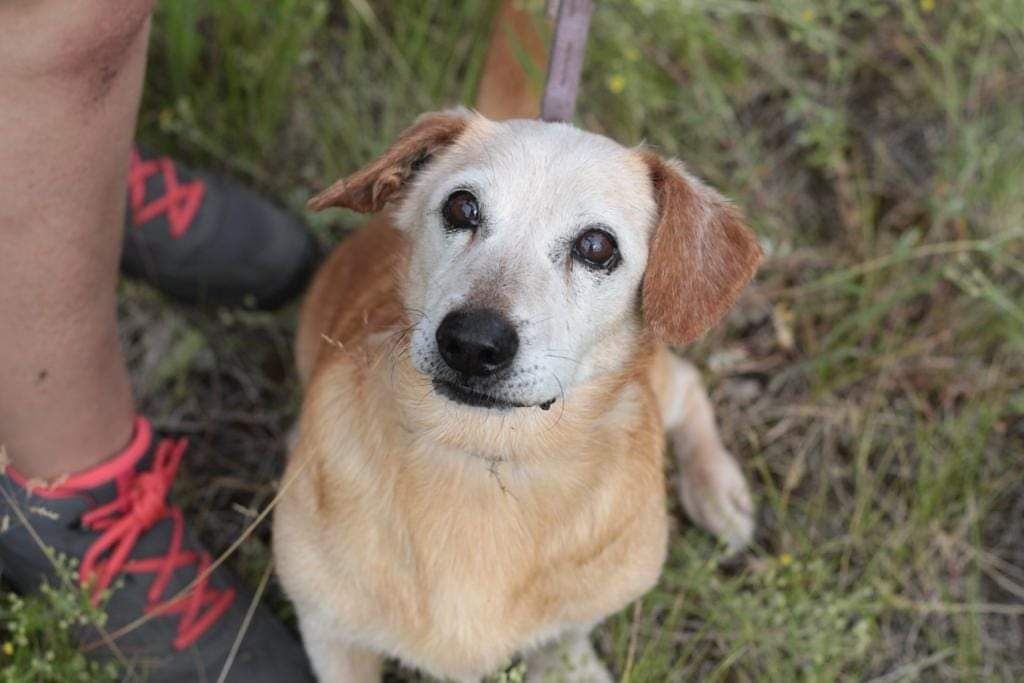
[712,487]
[570,659]
[334,659]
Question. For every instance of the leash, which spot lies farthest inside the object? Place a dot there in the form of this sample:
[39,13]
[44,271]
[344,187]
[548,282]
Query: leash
[566,62]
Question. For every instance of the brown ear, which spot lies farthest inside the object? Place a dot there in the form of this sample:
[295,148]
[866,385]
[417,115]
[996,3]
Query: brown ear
[701,255]
[371,187]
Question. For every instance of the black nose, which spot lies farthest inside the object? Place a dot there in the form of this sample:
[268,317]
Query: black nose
[477,341]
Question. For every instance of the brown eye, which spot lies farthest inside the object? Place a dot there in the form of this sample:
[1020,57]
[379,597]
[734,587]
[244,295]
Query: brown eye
[461,211]
[597,249]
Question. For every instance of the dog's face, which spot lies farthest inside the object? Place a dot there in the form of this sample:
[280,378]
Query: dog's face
[539,253]
[529,242]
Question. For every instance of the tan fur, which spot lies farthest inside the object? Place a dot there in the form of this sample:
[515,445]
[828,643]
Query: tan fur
[347,294]
[463,561]
[401,544]
[510,91]
[454,539]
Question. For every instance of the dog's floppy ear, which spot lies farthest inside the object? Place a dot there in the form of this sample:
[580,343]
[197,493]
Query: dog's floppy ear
[371,187]
[701,255]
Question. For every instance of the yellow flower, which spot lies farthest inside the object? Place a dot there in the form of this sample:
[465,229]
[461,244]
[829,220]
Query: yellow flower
[785,559]
[927,5]
[807,16]
[9,648]
[616,83]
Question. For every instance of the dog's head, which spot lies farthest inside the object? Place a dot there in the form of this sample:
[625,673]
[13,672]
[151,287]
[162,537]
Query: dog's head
[541,254]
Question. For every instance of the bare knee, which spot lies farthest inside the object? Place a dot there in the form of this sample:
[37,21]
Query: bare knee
[47,38]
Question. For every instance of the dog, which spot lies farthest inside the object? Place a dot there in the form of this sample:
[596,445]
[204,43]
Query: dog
[478,471]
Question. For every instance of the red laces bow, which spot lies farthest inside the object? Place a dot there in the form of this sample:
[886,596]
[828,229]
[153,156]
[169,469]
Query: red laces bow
[140,504]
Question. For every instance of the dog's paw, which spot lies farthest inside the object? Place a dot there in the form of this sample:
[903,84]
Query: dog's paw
[715,495]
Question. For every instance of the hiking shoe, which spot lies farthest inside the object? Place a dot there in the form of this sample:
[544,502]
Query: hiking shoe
[205,239]
[138,558]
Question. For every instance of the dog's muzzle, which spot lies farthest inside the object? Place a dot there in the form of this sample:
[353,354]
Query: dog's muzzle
[477,342]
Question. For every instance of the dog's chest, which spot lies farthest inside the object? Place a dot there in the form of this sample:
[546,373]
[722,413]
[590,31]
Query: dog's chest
[460,575]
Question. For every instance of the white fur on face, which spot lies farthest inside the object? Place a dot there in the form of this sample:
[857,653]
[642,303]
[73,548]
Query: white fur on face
[539,186]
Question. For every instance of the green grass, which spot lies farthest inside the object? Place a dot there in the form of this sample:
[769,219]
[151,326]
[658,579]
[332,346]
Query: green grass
[38,643]
[871,380]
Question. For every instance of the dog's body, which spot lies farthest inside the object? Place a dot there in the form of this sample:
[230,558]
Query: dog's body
[455,536]
[440,550]
[478,470]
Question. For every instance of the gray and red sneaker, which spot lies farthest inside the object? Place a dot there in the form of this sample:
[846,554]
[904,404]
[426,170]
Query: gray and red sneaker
[203,238]
[136,558]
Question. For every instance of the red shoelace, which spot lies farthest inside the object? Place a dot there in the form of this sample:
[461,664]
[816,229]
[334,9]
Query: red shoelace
[140,505]
[180,201]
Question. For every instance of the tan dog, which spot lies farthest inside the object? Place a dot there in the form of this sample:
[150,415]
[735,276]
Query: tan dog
[479,465]
[478,471]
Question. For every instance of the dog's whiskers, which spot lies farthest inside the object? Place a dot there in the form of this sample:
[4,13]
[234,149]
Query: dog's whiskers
[555,355]
[561,391]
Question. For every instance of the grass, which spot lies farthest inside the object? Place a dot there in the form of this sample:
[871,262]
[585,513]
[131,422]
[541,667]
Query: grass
[871,380]
[39,644]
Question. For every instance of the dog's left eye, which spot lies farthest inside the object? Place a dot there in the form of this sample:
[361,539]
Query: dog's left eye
[461,211]
[596,249]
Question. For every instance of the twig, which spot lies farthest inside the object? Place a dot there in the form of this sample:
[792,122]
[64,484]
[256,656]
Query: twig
[634,635]
[956,607]
[245,622]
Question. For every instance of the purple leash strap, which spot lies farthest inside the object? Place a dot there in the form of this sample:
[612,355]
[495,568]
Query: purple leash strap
[566,62]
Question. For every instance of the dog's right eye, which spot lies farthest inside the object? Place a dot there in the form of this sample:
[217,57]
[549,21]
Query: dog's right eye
[461,211]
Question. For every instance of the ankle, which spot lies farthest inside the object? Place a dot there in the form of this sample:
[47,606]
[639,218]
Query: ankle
[69,449]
